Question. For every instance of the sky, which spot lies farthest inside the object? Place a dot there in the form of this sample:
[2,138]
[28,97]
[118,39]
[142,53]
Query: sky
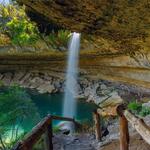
[4,1]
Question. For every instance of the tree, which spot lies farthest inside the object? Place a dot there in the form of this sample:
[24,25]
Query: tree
[15,107]
[15,23]
[22,31]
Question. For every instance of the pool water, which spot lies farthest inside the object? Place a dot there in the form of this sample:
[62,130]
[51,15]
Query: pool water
[53,104]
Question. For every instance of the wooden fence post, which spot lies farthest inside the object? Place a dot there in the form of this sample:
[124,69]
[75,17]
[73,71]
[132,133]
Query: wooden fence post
[98,132]
[49,136]
[124,133]
[137,123]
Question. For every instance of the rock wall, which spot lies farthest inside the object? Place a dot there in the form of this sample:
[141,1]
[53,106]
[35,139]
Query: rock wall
[96,91]
[133,70]
[90,16]
[106,25]
[100,76]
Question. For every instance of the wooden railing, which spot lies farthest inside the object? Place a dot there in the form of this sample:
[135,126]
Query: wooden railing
[45,126]
[125,116]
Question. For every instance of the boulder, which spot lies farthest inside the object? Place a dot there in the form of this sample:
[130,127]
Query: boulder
[146,104]
[46,87]
[112,99]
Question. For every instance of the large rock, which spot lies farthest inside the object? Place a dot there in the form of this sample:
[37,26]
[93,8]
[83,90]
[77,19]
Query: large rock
[89,15]
[113,25]
[75,15]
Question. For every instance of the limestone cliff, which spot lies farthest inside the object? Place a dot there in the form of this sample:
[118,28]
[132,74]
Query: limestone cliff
[46,73]
[118,68]
[114,45]
[121,26]
[115,35]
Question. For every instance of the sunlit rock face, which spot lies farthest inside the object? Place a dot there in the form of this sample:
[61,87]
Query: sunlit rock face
[120,69]
[89,15]
[113,21]
[75,15]
[107,26]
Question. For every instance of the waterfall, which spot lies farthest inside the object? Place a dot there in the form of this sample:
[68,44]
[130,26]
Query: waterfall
[69,109]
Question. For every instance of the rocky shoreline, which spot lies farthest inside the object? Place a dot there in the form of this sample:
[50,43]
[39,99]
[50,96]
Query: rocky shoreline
[92,90]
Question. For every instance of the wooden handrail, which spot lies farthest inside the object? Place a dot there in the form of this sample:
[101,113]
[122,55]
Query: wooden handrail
[125,116]
[44,126]
[139,125]
[62,118]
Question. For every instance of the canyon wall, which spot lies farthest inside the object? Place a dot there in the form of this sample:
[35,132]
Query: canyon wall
[100,76]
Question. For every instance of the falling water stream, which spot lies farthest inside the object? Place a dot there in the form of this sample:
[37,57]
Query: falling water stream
[69,109]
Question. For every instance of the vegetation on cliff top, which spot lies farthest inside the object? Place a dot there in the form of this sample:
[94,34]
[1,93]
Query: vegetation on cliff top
[18,30]
[121,27]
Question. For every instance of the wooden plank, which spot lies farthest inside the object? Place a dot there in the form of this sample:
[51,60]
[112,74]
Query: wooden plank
[139,125]
[98,132]
[124,133]
[63,118]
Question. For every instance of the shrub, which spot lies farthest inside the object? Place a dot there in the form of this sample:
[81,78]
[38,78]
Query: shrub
[17,26]
[60,39]
[22,31]
[7,13]
[138,109]
[145,111]
[15,107]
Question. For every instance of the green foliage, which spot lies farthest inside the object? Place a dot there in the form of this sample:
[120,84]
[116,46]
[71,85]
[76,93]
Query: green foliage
[22,31]
[16,28]
[145,111]
[7,13]
[17,25]
[1,83]
[60,39]
[14,141]
[56,129]
[134,106]
[138,109]
[16,106]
